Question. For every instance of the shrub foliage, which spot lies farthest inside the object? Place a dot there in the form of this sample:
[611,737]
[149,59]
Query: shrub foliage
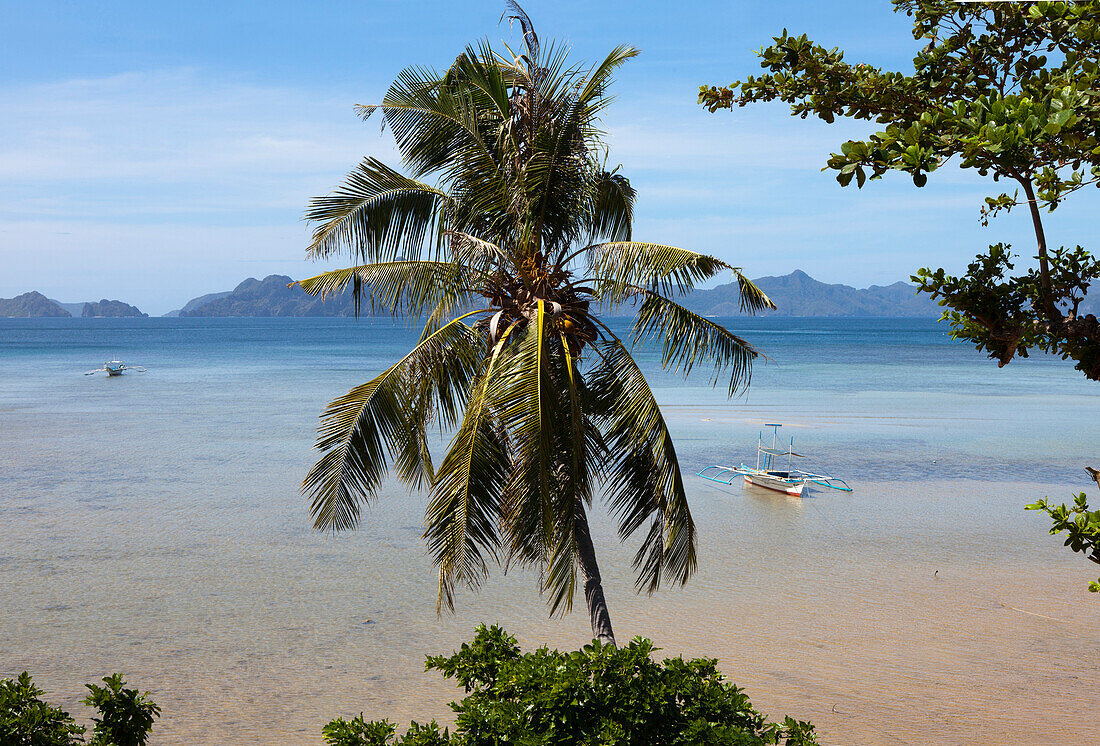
[125,715]
[600,694]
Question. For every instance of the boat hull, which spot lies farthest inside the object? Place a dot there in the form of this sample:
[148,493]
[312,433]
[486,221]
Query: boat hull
[776,485]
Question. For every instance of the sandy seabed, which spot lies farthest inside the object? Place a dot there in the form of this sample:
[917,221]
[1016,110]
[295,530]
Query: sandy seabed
[880,626]
[152,525]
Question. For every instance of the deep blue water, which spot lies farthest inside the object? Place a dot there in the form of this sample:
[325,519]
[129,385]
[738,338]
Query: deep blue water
[874,398]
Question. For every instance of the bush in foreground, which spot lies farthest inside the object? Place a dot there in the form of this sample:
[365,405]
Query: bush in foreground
[597,695]
[125,715]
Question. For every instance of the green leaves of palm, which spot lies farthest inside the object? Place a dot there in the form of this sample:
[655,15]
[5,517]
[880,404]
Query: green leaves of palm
[642,470]
[376,213]
[388,416]
[401,288]
[542,401]
[687,338]
[630,269]
[623,268]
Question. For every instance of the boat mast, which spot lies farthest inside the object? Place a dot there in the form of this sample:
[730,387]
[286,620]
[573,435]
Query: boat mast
[775,434]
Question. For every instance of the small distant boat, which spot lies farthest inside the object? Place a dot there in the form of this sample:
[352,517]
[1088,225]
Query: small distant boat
[115,368]
[767,473]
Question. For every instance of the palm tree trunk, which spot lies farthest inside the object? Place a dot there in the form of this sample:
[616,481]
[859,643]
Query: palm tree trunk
[593,583]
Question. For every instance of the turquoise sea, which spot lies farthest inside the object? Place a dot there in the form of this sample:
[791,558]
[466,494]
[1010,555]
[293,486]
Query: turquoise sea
[151,524]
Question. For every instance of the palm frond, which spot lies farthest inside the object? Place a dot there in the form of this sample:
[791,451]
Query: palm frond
[619,266]
[477,68]
[572,482]
[460,522]
[601,76]
[530,38]
[524,397]
[642,471]
[753,299]
[557,173]
[435,122]
[473,251]
[359,430]
[377,215]
[613,209]
[686,338]
[402,288]
[593,95]
[435,393]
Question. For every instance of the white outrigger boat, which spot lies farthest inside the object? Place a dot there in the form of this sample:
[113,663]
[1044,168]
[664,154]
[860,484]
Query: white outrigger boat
[766,474]
[115,368]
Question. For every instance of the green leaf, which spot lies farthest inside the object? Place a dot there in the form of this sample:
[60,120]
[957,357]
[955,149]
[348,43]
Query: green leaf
[377,215]
[687,338]
[645,484]
[360,429]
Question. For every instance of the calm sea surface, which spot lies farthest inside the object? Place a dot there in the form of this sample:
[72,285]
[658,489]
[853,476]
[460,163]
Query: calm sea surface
[151,524]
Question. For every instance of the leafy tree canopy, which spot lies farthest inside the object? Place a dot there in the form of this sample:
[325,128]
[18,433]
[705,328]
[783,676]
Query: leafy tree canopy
[1011,90]
[597,695]
[511,237]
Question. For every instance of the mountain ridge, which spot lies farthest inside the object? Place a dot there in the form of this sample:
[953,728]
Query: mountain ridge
[272,296]
[795,294]
[798,294]
[31,304]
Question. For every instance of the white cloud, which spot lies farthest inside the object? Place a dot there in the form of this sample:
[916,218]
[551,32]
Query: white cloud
[207,143]
[155,187]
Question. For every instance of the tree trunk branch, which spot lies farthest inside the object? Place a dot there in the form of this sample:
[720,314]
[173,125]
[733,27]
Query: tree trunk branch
[1095,556]
[593,583]
[1049,309]
[1094,474]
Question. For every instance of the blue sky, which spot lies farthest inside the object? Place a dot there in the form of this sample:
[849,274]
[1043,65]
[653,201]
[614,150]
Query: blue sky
[152,152]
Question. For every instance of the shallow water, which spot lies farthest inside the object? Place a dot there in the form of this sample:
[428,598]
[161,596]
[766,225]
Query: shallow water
[151,524]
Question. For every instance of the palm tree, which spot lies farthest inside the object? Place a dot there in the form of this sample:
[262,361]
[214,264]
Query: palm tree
[511,251]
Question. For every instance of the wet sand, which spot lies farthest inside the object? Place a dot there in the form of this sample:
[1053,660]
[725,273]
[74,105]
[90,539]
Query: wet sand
[889,616]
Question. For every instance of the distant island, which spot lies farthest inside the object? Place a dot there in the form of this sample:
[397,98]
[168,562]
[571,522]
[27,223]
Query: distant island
[31,304]
[270,296]
[796,294]
[110,309]
[36,305]
[194,303]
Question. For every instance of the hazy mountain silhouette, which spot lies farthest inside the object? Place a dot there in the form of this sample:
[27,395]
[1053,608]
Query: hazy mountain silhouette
[31,304]
[269,297]
[796,294]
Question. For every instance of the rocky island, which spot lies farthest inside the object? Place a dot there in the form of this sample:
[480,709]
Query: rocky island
[32,304]
[36,305]
[111,309]
[270,296]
